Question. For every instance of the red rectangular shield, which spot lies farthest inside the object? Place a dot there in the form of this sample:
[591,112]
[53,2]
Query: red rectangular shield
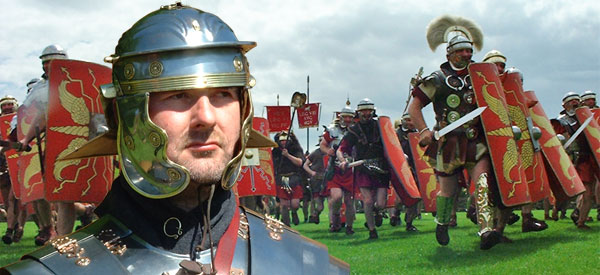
[401,174]
[308,115]
[428,184]
[562,176]
[279,118]
[591,131]
[75,114]
[506,162]
[528,147]
[11,155]
[29,174]
[255,180]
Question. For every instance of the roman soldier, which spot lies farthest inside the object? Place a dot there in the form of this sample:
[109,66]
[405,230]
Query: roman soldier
[450,91]
[339,181]
[529,222]
[180,100]
[373,180]
[287,160]
[581,155]
[16,215]
[588,98]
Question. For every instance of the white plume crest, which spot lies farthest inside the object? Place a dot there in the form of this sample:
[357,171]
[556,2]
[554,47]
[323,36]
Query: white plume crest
[445,27]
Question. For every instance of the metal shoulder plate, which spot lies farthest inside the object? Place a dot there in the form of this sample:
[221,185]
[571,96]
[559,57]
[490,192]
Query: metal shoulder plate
[436,79]
[104,247]
[278,249]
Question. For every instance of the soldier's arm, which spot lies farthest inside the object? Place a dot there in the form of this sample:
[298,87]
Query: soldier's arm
[422,96]
[414,109]
[294,159]
[306,167]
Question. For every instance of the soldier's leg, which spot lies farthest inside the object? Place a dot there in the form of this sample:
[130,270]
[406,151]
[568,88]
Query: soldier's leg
[335,203]
[444,204]
[66,218]
[381,202]
[488,237]
[46,220]
[295,204]
[350,211]
[586,205]
[395,212]
[21,220]
[368,201]
[306,201]
[530,223]
[409,217]
[452,222]
[285,211]
[472,210]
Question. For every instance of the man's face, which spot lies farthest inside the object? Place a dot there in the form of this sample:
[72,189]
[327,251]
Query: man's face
[590,102]
[347,120]
[203,126]
[408,123]
[571,104]
[8,108]
[46,66]
[460,58]
[365,115]
[500,66]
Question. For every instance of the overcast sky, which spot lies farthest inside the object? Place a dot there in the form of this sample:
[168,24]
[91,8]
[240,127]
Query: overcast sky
[350,48]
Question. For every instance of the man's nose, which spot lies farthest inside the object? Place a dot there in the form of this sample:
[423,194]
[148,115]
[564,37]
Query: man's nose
[203,113]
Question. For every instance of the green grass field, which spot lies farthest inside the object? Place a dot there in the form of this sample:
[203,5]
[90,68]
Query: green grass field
[561,249]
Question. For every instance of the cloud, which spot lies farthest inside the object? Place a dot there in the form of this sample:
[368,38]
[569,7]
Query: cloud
[352,49]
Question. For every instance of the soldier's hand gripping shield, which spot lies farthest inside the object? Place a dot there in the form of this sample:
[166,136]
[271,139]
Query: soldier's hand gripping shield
[175,48]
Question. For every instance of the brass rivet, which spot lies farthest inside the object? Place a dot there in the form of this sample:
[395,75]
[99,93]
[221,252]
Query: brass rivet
[156,68]
[155,139]
[129,143]
[237,64]
[129,71]
[173,174]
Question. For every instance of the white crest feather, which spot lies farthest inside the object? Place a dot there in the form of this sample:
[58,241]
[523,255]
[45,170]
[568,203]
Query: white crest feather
[443,28]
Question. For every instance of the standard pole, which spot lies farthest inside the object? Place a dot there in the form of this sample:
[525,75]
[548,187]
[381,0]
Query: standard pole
[307,101]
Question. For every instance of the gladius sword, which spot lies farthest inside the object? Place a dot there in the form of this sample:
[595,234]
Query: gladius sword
[579,130]
[468,117]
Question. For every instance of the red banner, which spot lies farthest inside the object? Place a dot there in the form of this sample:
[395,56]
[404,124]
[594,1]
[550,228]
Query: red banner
[279,118]
[308,115]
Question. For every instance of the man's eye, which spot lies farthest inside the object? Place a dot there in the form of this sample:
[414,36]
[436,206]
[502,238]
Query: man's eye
[177,96]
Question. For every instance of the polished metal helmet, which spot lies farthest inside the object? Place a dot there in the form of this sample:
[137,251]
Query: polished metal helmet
[459,42]
[570,96]
[494,56]
[173,48]
[347,111]
[365,104]
[515,70]
[588,95]
[53,52]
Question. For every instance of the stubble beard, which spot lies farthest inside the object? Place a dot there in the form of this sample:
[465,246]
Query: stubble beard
[207,167]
